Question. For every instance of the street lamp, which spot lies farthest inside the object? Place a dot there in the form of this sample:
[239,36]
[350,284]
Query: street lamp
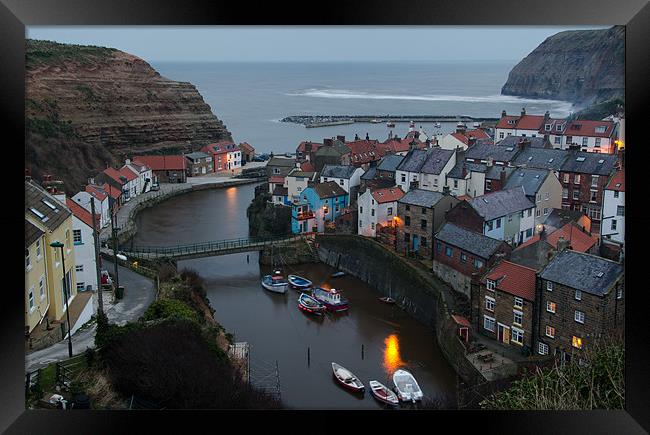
[65,295]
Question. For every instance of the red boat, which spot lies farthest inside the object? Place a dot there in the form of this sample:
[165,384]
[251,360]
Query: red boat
[346,378]
[331,299]
[383,393]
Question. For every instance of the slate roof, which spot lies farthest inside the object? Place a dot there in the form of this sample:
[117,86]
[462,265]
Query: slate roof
[390,162]
[280,191]
[534,255]
[436,159]
[580,271]
[541,158]
[513,141]
[329,189]
[483,150]
[593,163]
[470,241]
[32,233]
[34,197]
[338,171]
[514,279]
[298,173]
[421,197]
[530,179]
[501,203]
[196,155]
[278,161]
[413,161]
[494,172]
[370,173]
[560,217]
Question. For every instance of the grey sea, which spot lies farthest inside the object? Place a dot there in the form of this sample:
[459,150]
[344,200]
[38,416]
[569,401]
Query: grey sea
[251,98]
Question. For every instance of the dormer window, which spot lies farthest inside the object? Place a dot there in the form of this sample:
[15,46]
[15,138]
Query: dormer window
[547,127]
[601,129]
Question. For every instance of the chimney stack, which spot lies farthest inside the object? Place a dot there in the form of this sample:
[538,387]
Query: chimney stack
[523,111]
[503,114]
[471,141]
[523,143]
[562,244]
[502,177]
[367,137]
[547,115]
[341,138]
[327,142]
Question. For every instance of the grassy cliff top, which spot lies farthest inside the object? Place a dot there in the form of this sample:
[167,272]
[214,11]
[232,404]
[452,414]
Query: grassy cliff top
[38,52]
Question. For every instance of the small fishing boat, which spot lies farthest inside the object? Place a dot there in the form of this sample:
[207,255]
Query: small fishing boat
[331,299]
[338,274]
[346,378]
[387,300]
[375,121]
[476,124]
[406,386]
[437,125]
[275,283]
[310,305]
[298,282]
[390,124]
[383,393]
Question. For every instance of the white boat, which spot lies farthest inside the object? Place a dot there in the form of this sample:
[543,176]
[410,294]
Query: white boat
[406,386]
[375,121]
[438,125]
[383,393]
[275,283]
[476,124]
[346,378]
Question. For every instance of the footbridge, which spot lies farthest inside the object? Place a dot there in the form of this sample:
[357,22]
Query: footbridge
[206,249]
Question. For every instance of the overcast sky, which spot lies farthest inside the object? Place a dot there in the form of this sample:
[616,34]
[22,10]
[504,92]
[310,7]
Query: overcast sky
[308,43]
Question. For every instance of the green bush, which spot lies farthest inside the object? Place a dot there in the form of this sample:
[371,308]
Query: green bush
[170,309]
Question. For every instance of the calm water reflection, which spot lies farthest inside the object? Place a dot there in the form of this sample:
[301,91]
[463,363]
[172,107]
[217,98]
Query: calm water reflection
[372,340]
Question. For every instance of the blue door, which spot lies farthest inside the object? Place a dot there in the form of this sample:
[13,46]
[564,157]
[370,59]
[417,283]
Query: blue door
[416,242]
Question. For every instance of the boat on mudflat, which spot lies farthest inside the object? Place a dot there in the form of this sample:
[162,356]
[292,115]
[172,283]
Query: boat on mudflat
[331,299]
[298,282]
[346,378]
[383,393]
[406,386]
[275,283]
[310,305]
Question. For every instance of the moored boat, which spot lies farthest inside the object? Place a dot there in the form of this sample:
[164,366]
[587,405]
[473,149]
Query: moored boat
[346,378]
[338,274]
[331,299]
[375,121]
[275,283]
[390,124]
[383,393]
[310,305]
[406,386]
[387,300]
[298,282]
[437,125]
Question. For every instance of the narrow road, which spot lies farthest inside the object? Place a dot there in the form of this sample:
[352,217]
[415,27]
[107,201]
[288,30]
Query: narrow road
[139,293]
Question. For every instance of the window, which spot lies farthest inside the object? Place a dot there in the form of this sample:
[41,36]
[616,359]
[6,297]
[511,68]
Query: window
[517,336]
[491,285]
[569,139]
[463,257]
[518,317]
[38,249]
[576,342]
[372,225]
[41,287]
[488,184]
[424,210]
[594,181]
[423,241]
[360,209]
[576,195]
[576,179]
[28,261]
[585,141]
[558,127]
[31,299]
[551,306]
[79,268]
[360,224]
[538,197]
[76,235]
[408,208]
[498,223]
[542,349]
[423,224]
[578,295]
[530,212]
[489,323]
[529,232]
[448,251]
[439,247]
[620,210]
[547,195]
[489,303]
[550,331]
[546,211]
[566,178]
[341,182]
[616,194]
[565,193]
[390,211]
[592,195]
[547,127]
[619,293]
[557,140]
[490,225]
[519,302]
[579,316]
[407,221]
[455,184]
[276,170]
[501,135]
[407,237]
[538,213]
[598,142]
[478,263]
[80,286]
[613,224]
[372,212]
[403,178]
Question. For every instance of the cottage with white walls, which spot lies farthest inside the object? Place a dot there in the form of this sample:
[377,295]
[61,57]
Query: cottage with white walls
[377,207]
[102,202]
[84,246]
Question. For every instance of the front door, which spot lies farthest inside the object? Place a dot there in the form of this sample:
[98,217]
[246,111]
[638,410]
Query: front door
[416,243]
[503,334]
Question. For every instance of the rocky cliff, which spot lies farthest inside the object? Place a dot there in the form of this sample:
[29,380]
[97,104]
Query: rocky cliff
[88,106]
[583,66]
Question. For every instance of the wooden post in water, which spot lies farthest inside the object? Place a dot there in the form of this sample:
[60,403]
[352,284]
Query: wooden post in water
[362,351]
[308,356]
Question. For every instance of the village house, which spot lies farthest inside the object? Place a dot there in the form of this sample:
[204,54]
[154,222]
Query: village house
[54,220]
[297,181]
[504,215]
[114,199]
[476,179]
[226,156]
[541,158]
[553,131]
[484,153]
[130,179]
[84,246]
[198,163]
[613,227]
[584,177]
[463,138]
[401,147]
[144,173]
[279,167]
[102,203]
[363,152]
[560,217]
[348,177]
[581,299]
[461,255]
[37,298]
[425,169]
[523,125]
[247,152]
[332,152]
[165,169]
[306,150]
[277,181]
[506,305]
[280,196]
[327,201]
[591,136]
[303,219]
[377,207]
[419,215]
[117,181]
[541,187]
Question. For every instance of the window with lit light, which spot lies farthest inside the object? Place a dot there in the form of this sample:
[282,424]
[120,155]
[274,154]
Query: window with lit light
[551,307]
[576,342]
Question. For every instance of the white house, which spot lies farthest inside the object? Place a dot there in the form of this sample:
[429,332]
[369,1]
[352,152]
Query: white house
[524,125]
[591,136]
[462,138]
[425,169]
[613,220]
[348,177]
[297,181]
[377,207]
[102,206]
[541,186]
[84,246]
[145,176]
[130,180]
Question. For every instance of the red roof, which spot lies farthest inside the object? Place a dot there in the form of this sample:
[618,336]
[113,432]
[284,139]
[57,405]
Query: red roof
[475,134]
[162,163]
[397,146]
[588,128]
[82,214]
[245,146]
[114,174]
[364,151]
[526,122]
[528,242]
[580,242]
[514,279]
[128,173]
[462,321]
[307,167]
[314,146]
[276,179]
[617,182]
[388,194]
[94,191]
[220,147]
[113,192]
[503,122]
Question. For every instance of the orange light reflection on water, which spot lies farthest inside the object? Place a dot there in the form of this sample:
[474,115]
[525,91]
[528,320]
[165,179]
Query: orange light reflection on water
[392,360]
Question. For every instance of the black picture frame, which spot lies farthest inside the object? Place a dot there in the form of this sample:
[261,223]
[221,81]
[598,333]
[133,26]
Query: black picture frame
[635,15]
